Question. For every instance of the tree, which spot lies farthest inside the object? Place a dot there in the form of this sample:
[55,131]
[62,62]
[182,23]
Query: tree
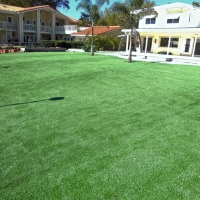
[92,11]
[197,4]
[130,13]
[108,17]
[29,3]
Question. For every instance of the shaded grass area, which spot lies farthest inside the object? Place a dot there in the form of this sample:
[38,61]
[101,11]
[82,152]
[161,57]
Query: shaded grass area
[118,131]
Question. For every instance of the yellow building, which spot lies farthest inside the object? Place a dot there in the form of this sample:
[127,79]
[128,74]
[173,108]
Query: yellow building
[175,30]
[22,25]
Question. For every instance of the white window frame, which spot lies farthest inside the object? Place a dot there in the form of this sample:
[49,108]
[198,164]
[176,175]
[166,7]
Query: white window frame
[150,18]
[173,18]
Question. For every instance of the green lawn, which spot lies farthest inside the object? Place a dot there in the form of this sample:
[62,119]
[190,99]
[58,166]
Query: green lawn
[113,130]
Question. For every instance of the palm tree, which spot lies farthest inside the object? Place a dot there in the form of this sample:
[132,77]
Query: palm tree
[93,13]
[196,4]
[130,14]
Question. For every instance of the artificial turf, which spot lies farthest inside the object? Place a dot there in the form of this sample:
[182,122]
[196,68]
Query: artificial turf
[80,127]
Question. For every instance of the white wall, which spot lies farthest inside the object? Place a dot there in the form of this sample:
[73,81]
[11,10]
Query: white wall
[189,17]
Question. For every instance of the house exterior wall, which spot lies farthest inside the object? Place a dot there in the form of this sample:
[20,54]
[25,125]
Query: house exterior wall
[175,30]
[37,28]
[188,17]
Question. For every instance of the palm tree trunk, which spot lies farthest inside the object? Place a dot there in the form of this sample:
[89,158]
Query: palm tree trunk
[92,42]
[130,48]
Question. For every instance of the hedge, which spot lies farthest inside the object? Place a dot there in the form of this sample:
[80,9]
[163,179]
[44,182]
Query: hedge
[62,43]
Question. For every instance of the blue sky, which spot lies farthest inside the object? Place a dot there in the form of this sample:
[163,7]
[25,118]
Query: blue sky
[76,14]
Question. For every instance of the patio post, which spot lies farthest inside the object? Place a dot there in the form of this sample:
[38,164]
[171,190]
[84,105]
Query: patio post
[146,43]
[127,41]
[169,44]
[195,42]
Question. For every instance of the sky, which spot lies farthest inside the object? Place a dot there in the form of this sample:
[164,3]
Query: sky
[76,14]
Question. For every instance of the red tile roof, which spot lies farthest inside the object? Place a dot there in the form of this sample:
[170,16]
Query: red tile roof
[98,30]
[33,8]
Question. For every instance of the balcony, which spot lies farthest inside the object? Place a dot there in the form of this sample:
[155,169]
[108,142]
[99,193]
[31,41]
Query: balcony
[45,29]
[67,29]
[8,25]
[29,27]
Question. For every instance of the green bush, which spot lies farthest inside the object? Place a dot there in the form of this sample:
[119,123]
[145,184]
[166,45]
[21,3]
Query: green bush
[105,43]
[87,48]
[62,43]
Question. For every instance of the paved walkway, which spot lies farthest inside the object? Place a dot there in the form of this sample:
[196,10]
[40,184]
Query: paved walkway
[151,57]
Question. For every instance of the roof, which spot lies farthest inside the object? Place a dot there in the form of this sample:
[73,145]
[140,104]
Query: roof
[10,8]
[98,30]
[16,9]
[173,5]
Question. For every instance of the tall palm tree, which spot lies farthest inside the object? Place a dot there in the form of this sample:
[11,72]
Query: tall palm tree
[93,13]
[130,14]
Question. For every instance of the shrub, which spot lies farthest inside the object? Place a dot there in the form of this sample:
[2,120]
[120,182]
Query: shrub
[87,48]
[105,43]
[61,43]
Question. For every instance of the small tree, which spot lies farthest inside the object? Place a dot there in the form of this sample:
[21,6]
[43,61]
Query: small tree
[92,11]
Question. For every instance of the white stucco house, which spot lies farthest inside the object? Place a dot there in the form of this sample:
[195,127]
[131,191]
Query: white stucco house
[175,30]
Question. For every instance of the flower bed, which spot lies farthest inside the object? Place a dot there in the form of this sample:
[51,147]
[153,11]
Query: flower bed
[9,49]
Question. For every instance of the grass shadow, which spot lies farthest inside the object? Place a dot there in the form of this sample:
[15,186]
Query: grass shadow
[50,99]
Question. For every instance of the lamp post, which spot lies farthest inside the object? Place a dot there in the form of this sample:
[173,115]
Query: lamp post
[92,41]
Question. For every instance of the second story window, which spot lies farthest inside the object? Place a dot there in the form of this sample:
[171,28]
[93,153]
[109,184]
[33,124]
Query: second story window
[10,19]
[150,19]
[173,20]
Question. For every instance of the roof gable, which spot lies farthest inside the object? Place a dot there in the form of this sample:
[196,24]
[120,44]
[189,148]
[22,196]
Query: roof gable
[173,5]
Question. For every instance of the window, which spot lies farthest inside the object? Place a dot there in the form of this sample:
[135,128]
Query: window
[10,19]
[28,21]
[172,21]
[34,22]
[81,39]
[187,45]
[173,42]
[57,23]
[150,20]
[43,23]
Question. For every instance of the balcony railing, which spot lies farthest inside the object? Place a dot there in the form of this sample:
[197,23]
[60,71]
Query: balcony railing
[29,27]
[45,29]
[66,28]
[8,25]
